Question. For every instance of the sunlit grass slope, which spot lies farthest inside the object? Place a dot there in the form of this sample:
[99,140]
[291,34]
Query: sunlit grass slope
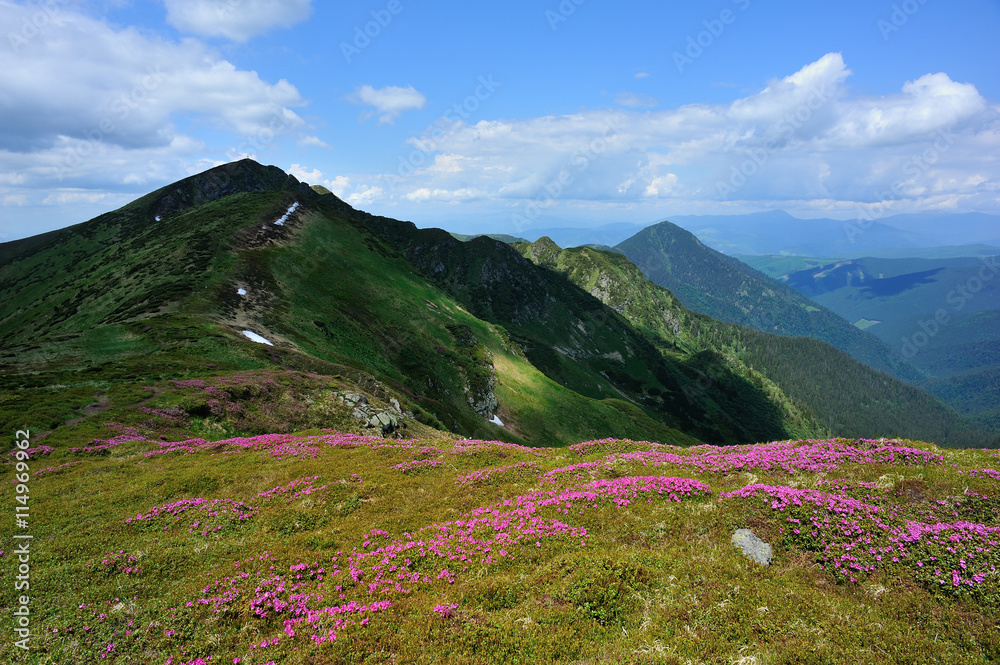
[157,543]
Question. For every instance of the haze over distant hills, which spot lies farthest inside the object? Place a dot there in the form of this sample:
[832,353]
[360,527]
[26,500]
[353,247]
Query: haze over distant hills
[777,232]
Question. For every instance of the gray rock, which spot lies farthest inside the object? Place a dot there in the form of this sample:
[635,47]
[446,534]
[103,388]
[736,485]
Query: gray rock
[752,546]
[387,421]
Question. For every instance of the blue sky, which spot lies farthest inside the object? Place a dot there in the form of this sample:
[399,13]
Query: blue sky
[499,116]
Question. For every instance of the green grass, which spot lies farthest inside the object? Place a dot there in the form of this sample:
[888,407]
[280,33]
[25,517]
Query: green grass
[655,582]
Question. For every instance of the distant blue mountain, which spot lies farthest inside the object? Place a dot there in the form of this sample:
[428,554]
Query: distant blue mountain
[776,232]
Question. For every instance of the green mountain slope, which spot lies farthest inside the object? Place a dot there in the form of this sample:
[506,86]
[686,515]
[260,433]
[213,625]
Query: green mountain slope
[726,289]
[809,383]
[152,292]
[942,314]
[579,342]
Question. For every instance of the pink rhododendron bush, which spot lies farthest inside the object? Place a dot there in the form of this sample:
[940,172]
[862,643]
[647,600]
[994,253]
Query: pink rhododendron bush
[326,547]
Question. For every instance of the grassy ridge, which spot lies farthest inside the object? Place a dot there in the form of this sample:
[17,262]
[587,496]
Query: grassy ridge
[578,341]
[730,389]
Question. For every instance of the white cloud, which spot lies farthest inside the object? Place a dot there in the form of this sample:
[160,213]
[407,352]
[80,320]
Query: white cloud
[641,75]
[314,141]
[313,177]
[339,185]
[661,186]
[365,196]
[805,137]
[390,101]
[92,106]
[237,20]
[445,195]
[67,197]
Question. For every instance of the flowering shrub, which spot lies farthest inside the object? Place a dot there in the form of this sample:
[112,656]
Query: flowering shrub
[417,465]
[53,469]
[853,539]
[173,417]
[473,447]
[104,446]
[294,489]
[218,513]
[614,446]
[446,611]
[33,452]
[983,473]
[483,476]
[296,597]
[120,562]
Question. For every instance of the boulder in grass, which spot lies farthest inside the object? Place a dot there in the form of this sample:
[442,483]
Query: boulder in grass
[752,546]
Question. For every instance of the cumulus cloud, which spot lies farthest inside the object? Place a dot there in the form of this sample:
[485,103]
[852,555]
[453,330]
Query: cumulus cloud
[314,141]
[356,192]
[106,116]
[364,196]
[340,186]
[314,177]
[444,195]
[236,20]
[802,138]
[390,102]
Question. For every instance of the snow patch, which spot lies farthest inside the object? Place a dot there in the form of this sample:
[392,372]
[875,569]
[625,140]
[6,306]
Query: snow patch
[242,292]
[254,337]
[284,218]
[496,420]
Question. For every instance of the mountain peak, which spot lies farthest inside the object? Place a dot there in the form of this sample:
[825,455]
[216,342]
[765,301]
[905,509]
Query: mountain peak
[543,251]
[244,175]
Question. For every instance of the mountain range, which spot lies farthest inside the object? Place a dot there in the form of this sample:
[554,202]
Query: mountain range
[776,232]
[481,338]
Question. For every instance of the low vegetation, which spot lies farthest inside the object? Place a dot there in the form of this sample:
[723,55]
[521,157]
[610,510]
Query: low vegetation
[166,540]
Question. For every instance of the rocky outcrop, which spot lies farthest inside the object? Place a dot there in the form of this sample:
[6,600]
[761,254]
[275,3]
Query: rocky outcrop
[476,364]
[386,421]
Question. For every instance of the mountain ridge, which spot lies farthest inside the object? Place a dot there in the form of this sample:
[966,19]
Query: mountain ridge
[455,332]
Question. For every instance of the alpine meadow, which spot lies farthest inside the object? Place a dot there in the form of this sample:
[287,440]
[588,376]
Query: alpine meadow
[516,333]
